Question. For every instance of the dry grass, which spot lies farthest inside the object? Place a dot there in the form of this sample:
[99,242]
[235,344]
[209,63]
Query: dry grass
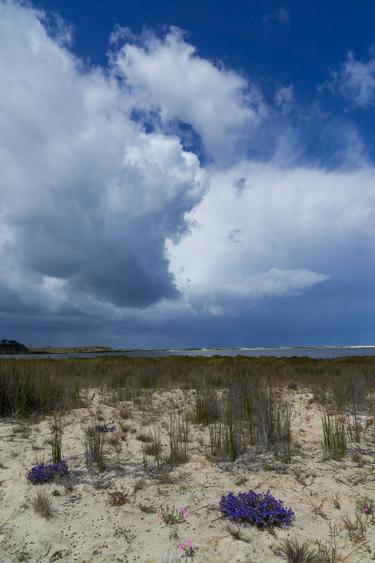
[296,552]
[42,505]
[46,386]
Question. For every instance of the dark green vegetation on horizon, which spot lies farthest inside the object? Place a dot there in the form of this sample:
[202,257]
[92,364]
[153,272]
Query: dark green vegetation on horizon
[12,347]
[45,386]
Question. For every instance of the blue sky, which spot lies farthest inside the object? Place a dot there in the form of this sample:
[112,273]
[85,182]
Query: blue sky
[297,43]
[187,173]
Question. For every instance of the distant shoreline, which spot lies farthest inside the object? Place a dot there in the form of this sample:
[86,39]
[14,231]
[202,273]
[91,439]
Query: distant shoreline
[86,352]
[107,349]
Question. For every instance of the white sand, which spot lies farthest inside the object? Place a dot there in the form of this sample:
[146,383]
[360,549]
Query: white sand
[85,527]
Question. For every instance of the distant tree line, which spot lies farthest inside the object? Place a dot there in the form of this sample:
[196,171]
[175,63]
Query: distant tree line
[12,347]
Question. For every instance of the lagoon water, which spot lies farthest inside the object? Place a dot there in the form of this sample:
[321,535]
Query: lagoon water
[278,352]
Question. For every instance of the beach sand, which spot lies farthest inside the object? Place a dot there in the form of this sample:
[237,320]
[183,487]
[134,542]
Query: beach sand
[85,527]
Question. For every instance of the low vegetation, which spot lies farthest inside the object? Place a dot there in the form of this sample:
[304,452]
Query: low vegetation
[259,509]
[42,505]
[49,386]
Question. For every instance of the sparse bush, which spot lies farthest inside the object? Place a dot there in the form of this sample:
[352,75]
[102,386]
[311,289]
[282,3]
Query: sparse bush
[296,552]
[178,438]
[365,505]
[153,448]
[56,439]
[282,437]
[118,498]
[217,440]
[171,515]
[355,427]
[226,441]
[327,551]
[356,528]
[94,447]
[267,417]
[207,405]
[334,436]
[42,505]
[28,387]
[348,389]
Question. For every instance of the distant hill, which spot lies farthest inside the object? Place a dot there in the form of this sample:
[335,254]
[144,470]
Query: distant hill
[12,347]
[70,349]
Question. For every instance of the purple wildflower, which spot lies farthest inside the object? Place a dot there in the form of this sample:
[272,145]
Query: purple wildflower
[103,428]
[46,472]
[259,509]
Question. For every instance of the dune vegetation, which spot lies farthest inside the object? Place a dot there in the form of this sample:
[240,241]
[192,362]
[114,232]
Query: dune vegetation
[213,459]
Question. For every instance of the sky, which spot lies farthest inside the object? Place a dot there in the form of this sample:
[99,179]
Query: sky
[180,174]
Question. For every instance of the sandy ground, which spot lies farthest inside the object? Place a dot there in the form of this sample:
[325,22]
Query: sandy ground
[86,527]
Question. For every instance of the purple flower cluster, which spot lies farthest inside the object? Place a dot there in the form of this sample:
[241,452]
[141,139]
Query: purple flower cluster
[103,428]
[43,473]
[259,509]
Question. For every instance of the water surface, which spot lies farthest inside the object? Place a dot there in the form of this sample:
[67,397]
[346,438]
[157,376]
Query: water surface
[278,352]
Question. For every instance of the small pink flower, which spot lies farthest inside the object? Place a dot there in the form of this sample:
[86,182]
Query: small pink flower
[184,512]
[189,543]
[158,518]
[181,546]
[366,509]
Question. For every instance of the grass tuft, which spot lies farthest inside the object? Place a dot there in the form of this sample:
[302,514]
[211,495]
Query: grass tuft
[296,552]
[56,439]
[94,447]
[42,505]
[334,436]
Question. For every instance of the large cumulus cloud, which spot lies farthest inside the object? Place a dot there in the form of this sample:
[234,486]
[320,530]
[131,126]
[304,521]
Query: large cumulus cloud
[87,196]
[264,231]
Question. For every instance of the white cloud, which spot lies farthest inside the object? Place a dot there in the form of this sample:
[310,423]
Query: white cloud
[87,197]
[284,98]
[299,227]
[355,80]
[170,77]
